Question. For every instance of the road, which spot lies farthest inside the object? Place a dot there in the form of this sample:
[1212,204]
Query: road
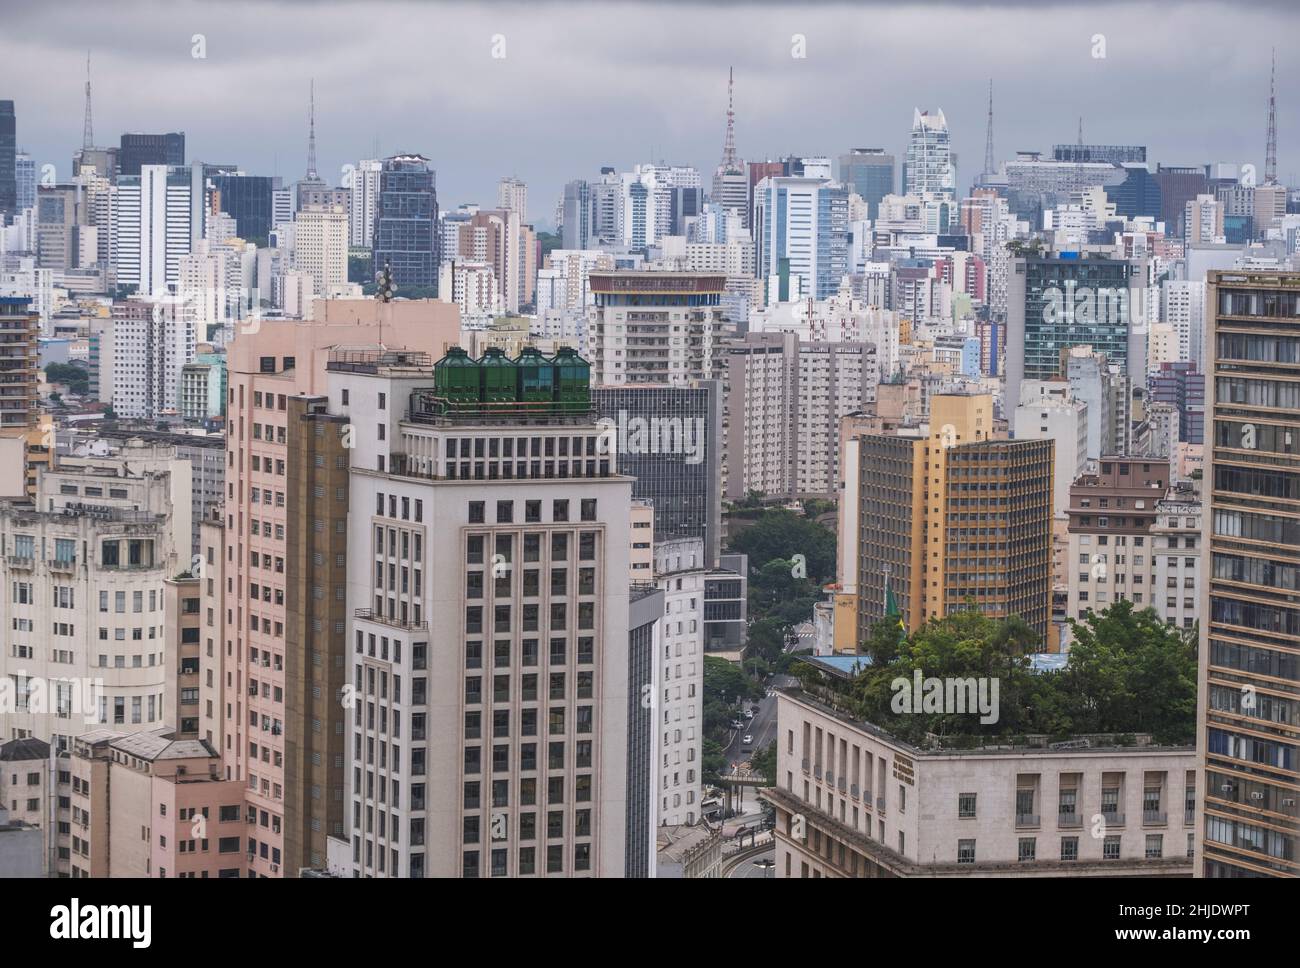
[762,727]
[756,867]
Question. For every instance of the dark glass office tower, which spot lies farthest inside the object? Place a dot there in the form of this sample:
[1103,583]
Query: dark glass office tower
[1249,690]
[1138,194]
[406,236]
[248,200]
[669,438]
[150,149]
[8,160]
[1070,299]
[870,173]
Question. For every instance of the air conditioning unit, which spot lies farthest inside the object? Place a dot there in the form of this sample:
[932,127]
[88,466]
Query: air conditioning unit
[1257,796]
[1226,788]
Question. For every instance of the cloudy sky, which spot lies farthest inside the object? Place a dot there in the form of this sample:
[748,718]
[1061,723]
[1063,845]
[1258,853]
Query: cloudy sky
[605,83]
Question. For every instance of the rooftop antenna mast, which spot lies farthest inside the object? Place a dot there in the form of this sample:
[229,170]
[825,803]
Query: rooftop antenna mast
[88,132]
[1270,150]
[311,136]
[729,145]
[988,138]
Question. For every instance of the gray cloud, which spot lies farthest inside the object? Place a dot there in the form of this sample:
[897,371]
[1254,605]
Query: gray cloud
[586,84]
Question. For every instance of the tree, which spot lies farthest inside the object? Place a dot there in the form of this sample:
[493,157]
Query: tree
[76,377]
[763,762]
[781,534]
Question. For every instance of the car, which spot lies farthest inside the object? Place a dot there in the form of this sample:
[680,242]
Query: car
[737,724]
[749,714]
[748,740]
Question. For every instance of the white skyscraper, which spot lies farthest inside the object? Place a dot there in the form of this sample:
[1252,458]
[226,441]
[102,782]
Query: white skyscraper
[929,167]
[363,200]
[152,220]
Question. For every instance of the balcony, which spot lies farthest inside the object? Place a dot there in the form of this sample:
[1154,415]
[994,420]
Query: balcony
[370,615]
[1189,817]
[19,561]
[803,764]
[880,804]
[1112,819]
[62,564]
[1068,820]
[1027,820]
[1154,818]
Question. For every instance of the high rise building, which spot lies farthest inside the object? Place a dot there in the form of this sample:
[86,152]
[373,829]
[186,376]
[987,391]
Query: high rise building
[86,564]
[1055,302]
[8,162]
[320,246]
[801,232]
[1249,688]
[577,231]
[919,535]
[1180,385]
[248,200]
[512,196]
[786,397]
[363,202]
[406,237]
[153,339]
[152,222]
[284,647]
[138,150]
[1178,186]
[929,168]
[654,327]
[529,522]
[870,173]
[668,439]
[25,181]
[20,328]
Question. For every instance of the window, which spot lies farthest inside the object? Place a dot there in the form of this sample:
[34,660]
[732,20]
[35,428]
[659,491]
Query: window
[1069,848]
[966,808]
[966,851]
[1027,849]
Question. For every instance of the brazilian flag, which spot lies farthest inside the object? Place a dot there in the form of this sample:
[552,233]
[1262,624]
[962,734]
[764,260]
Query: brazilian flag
[891,608]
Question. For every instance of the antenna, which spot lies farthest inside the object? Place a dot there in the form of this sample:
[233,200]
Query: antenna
[729,145]
[311,136]
[988,138]
[1080,131]
[1270,149]
[88,132]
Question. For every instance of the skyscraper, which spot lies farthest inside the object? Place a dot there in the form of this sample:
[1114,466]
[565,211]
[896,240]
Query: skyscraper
[285,651]
[525,750]
[1057,301]
[1249,685]
[137,150]
[870,173]
[248,200]
[8,160]
[801,229]
[929,167]
[406,236]
[152,226]
[920,536]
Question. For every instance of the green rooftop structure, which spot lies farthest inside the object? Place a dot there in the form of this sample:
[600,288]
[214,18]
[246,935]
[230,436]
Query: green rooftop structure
[572,381]
[536,376]
[498,377]
[497,386]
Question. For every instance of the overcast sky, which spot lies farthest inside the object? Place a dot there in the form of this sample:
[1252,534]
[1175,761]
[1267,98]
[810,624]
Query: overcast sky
[603,83]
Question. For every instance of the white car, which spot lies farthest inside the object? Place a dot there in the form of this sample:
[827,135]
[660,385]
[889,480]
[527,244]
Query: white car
[748,740]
